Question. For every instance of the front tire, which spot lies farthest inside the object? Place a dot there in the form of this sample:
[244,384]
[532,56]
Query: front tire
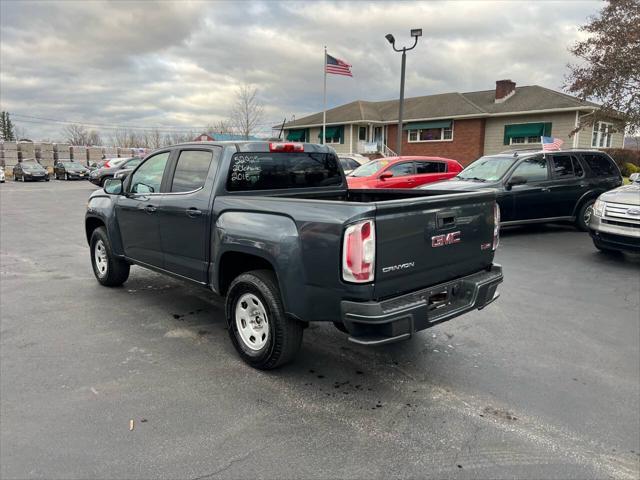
[262,334]
[109,270]
[584,215]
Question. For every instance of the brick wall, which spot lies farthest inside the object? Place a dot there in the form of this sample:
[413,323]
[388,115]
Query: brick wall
[467,144]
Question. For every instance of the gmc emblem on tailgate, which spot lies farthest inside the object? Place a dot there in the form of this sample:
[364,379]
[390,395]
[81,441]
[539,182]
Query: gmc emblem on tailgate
[446,239]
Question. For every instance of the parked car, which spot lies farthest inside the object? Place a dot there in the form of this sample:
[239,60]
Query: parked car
[96,164]
[539,187]
[351,161]
[70,170]
[110,167]
[615,221]
[29,170]
[2,175]
[403,172]
[274,229]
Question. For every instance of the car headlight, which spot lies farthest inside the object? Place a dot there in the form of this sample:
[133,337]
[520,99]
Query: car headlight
[598,208]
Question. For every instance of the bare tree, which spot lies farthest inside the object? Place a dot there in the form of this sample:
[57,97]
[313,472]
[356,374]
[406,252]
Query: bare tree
[221,126]
[77,134]
[610,69]
[247,112]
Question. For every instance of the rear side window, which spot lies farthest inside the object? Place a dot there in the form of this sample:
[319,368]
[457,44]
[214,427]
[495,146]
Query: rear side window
[191,171]
[430,167]
[600,165]
[562,166]
[274,171]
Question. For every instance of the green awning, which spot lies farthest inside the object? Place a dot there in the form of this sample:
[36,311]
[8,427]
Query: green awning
[426,125]
[526,130]
[333,132]
[297,135]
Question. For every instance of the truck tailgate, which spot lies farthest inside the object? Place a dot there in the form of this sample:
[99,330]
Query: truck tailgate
[423,241]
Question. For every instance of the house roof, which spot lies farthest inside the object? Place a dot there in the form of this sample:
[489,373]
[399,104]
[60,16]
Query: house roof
[448,105]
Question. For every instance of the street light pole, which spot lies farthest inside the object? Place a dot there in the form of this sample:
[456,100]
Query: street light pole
[415,33]
[401,106]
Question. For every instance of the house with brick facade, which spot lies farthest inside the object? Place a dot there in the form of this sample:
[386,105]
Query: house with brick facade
[462,126]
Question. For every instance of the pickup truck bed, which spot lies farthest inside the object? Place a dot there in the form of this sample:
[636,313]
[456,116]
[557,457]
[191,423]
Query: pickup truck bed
[381,264]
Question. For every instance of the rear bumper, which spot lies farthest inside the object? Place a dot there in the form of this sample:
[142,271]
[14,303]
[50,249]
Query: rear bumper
[398,318]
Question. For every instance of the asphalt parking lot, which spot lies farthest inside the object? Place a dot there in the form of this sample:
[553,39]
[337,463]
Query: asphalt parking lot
[544,383]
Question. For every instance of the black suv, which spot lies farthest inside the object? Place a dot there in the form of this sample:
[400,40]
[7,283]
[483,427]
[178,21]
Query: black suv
[538,187]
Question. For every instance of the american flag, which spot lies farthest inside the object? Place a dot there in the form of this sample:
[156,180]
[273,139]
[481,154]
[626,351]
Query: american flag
[337,66]
[551,143]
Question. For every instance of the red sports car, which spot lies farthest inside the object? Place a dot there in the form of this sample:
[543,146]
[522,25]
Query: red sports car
[403,172]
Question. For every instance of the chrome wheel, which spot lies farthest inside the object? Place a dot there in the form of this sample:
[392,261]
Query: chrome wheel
[100,258]
[587,214]
[251,321]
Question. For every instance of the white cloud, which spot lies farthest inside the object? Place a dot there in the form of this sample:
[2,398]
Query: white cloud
[164,63]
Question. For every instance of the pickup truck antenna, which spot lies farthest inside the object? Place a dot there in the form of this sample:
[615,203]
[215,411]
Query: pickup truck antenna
[282,128]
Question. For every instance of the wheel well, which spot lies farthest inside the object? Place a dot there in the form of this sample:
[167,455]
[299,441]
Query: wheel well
[90,225]
[583,200]
[233,264]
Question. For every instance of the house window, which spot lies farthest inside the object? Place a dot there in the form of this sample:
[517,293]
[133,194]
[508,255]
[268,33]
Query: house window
[526,133]
[362,134]
[333,135]
[431,132]
[601,136]
[524,140]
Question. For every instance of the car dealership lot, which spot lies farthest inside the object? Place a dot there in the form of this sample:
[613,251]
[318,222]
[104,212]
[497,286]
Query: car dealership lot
[545,382]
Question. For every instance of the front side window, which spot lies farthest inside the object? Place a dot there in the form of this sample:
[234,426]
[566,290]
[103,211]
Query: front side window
[401,169]
[191,170]
[148,178]
[562,166]
[430,167]
[133,163]
[270,171]
[601,136]
[532,169]
[600,165]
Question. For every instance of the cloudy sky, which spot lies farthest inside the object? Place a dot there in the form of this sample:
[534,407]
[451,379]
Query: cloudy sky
[178,64]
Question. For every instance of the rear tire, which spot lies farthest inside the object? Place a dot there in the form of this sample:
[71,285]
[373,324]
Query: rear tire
[584,215]
[261,332]
[109,270]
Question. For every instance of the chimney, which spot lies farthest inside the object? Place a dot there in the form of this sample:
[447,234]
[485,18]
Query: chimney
[504,89]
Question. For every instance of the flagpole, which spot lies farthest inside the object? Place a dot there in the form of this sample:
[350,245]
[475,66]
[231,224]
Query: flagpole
[324,99]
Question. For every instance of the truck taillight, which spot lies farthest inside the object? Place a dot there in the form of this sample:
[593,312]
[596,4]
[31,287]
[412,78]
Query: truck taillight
[359,252]
[286,147]
[496,225]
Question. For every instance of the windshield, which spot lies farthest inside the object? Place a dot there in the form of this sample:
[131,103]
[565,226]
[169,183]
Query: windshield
[31,166]
[75,165]
[487,169]
[370,168]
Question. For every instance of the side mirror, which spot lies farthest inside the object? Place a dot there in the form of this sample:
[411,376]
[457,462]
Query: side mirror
[516,180]
[634,177]
[113,186]
[385,175]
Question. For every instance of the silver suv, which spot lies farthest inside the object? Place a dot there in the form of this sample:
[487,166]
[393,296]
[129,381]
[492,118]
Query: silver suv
[615,219]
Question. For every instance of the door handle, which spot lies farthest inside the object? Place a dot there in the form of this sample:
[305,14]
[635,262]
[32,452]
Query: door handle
[545,189]
[150,209]
[193,212]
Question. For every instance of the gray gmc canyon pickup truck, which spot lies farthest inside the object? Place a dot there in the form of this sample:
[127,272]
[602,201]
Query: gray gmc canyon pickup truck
[274,229]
